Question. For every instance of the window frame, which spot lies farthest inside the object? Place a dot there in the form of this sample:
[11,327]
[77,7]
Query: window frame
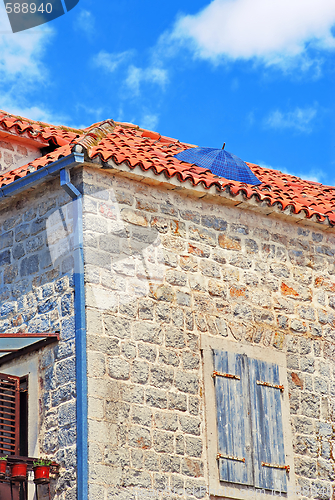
[28,368]
[271,355]
[10,405]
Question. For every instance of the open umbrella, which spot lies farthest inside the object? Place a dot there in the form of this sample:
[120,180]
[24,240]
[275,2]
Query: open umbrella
[221,163]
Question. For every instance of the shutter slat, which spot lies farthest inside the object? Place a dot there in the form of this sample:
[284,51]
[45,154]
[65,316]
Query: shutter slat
[9,414]
[267,427]
[232,419]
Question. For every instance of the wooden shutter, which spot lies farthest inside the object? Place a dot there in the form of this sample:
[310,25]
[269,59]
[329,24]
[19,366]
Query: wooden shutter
[9,414]
[233,417]
[267,427]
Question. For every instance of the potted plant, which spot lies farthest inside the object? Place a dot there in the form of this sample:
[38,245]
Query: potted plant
[19,471]
[3,466]
[41,468]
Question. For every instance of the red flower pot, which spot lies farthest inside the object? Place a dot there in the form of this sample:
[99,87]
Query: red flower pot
[3,466]
[19,471]
[41,474]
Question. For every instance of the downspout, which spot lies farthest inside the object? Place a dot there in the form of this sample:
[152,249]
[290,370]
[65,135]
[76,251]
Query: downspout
[80,335]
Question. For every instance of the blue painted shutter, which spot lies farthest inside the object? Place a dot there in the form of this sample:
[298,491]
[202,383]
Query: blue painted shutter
[267,427]
[233,418]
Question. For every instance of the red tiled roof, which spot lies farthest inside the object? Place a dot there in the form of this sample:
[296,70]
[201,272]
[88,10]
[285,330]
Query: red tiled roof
[147,150]
[36,130]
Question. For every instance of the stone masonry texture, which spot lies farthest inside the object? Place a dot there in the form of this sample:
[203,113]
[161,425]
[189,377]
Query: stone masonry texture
[36,295]
[162,268]
[14,155]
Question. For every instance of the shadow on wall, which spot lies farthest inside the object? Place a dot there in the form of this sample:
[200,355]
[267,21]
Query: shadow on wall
[124,255]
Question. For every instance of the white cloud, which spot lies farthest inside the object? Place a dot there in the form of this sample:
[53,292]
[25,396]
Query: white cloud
[110,61]
[22,68]
[300,119]
[85,22]
[151,74]
[33,113]
[314,175]
[270,31]
[21,53]
[149,121]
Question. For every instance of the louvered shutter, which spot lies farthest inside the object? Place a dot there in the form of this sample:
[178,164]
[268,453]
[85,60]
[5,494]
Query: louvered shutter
[233,417]
[9,414]
[267,427]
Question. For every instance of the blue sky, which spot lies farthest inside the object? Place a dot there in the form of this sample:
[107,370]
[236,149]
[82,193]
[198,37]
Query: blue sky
[256,74]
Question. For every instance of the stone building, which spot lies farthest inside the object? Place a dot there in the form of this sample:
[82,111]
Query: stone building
[184,339]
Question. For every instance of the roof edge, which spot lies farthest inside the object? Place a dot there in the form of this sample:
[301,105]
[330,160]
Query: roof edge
[226,195]
[37,177]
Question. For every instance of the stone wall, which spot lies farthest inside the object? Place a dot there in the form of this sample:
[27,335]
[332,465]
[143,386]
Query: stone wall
[36,295]
[162,269]
[14,155]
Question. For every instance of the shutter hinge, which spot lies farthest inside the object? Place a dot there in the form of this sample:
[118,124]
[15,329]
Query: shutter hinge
[276,466]
[229,457]
[227,375]
[268,384]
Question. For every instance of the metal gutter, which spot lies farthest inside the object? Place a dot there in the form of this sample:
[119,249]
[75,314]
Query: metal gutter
[41,175]
[61,167]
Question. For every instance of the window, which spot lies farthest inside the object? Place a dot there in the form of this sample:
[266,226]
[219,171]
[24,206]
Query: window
[13,425]
[247,418]
[13,415]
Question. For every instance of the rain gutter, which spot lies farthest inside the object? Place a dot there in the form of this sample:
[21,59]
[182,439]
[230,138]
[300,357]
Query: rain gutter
[41,175]
[62,168]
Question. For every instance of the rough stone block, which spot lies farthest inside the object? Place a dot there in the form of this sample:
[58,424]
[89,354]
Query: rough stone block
[119,368]
[156,398]
[191,360]
[187,382]
[202,235]
[139,437]
[190,425]
[147,352]
[310,405]
[96,363]
[305,467]
[192,467]
[163,442]
[147,332]
[116,411]
[142,415]
[132,393]
[161,376]
[117,326]
[151,461]
[167,421]
[140,372]
[175,277]
[175,338]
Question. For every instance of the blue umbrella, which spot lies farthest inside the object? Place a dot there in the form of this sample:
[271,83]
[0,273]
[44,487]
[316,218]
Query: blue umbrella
[221,163]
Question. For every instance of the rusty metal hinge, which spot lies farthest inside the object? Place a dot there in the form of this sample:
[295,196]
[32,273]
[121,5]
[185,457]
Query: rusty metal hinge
[276,466]
[268,384]
[227,375]
[230,457]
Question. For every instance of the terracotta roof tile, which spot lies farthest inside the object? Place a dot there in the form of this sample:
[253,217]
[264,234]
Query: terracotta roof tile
[55,135]
[145,149]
